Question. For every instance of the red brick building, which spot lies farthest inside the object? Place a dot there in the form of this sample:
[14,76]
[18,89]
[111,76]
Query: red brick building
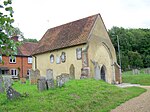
[20,64]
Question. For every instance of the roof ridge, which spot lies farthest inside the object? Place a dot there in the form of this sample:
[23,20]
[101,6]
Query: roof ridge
[73,21]
[66,35]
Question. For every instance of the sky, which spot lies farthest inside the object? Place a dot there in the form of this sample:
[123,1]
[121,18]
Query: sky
[35,17]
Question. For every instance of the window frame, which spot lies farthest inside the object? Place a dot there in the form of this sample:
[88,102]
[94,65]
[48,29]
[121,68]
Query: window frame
[1,58]
[63,57]
[79,50]
[51,57]
[14,72]
[58,59]
[30,60]
[11,58]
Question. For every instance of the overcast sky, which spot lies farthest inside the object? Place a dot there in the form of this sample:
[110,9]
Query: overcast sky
[34,17]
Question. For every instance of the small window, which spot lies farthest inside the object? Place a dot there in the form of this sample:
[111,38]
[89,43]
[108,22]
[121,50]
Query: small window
[0,58]
[63,57]
[29,59]
[58,60]
[79,53]
[51,58]
[12,59]
[14,72]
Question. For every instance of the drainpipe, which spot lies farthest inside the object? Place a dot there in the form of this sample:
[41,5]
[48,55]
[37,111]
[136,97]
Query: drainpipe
[22,66]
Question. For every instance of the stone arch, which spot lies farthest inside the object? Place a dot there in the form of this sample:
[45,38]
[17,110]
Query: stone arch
[72,71]
[108,50]
[103,72]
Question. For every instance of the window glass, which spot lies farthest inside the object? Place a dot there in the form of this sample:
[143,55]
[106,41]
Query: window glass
[51,58]
[63,57]
[79,53]
[12,59]
[58,60]
[0,58]
[29,59]
[14,72]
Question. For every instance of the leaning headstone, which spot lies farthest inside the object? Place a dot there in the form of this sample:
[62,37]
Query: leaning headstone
[147,71]
[1,85]
[41,84]
[49,78]
[135,71]
[12,94]
[23,80]
[7,81]
[72,72]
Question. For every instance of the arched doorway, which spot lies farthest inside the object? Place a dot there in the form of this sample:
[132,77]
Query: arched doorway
[103,73]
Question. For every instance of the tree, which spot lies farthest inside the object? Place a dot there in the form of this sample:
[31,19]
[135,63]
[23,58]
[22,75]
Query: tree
[7,46]
[134,43]
[135,59]
[30,40]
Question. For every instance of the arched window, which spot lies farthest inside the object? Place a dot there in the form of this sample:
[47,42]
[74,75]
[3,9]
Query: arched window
[51,58]
[79,53]
[63,57]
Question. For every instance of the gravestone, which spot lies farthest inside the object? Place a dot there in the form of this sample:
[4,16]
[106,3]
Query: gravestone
[62,79]
[49,74]
[7,81]
[147,71]
[59,81]
[97,72]
[135,71]
[85,72]
[65,77]
[72,72]
[50,83]
[23,80]
[34,76]
[41,84]
[12,94]
[1,84]
[37,73]
[49,78]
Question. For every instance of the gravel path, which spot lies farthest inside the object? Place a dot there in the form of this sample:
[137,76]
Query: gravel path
[137,104]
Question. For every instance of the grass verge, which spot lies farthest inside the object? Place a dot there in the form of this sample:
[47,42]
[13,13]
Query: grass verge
[143,79]
[87,95]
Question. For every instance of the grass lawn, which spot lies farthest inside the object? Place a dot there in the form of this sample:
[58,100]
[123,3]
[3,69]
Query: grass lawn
[87,95]
[143,79]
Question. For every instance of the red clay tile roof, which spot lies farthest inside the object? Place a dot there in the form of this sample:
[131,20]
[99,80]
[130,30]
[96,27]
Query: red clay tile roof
[67,35]
[26,48]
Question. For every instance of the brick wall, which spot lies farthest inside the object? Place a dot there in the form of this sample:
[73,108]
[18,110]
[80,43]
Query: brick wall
[21,63]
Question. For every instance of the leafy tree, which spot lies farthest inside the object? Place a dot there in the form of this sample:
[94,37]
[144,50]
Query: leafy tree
[146,61]
[7,46]
[30,40]
[135,59]
[134,46]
